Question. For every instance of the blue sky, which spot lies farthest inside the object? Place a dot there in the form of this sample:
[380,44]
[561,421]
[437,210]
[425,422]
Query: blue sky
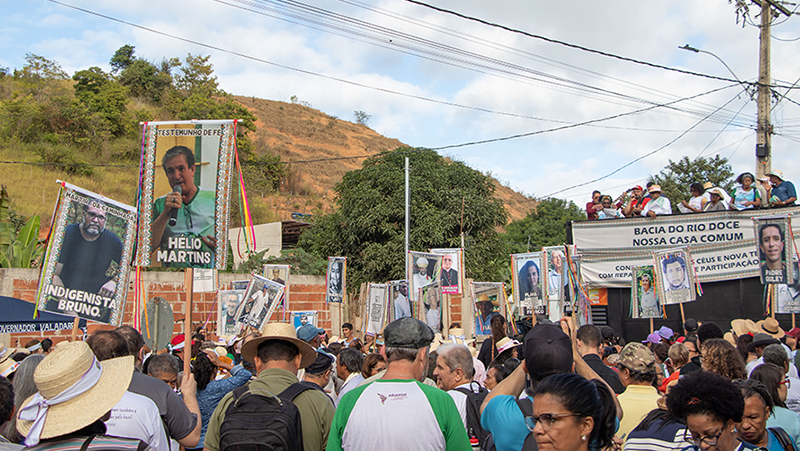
[514,76]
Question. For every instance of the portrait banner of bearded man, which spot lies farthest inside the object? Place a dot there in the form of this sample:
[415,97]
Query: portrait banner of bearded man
[84,267]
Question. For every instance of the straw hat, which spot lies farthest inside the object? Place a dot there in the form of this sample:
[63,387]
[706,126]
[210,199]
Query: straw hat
[279,331]
[654,189]
[776,173]
[716,191]
[485,298]
[457,335]
[8,366]
[728,336]
[65,366]
[743,327]
[505,344]
[770,326]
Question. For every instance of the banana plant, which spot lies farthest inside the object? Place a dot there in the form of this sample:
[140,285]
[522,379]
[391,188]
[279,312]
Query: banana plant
[20,250]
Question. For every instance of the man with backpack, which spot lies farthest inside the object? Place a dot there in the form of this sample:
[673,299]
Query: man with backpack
[397,411]
[274,409]
[454,372]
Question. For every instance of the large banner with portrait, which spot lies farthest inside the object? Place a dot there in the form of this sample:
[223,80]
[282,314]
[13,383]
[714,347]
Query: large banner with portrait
[644,296]
[489,301]
[335,279]
[260,300]
[423,269]
[399,304]
[775,249]
[185,191]
[300,319]
[85,268]
[724,244]
[526,274]
[228,302]
[675,276]
[452,263]
[375,308]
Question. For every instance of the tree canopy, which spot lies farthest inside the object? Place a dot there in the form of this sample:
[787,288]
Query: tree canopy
[368,226]
[545,225]
[676,177]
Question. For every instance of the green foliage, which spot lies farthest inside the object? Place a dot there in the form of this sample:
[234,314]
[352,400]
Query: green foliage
[676,177]
[546,225]
[22,249]
[263,174]
[38,67]
[196,76]
[122,58]
[103,96]
[362,117]
[145,80]
[302,262]
[368,226]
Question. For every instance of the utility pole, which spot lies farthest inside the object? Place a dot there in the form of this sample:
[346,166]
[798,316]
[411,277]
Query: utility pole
[408,218]
[764,128]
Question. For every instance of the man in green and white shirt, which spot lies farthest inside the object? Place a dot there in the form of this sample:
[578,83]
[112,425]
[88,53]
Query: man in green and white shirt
[397,411]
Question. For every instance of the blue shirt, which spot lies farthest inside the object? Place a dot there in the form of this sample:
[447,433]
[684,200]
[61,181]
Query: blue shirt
[774,444]
[209,398]
[784,191]
[786,420]
[503,418]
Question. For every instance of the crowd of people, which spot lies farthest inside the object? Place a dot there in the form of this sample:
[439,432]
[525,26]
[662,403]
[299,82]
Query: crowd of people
[555,388]
[772,190]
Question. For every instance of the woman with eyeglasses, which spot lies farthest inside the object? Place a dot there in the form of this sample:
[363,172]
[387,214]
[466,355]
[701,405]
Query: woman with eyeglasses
[758,406]
[571,413]
[775,381]
[709,405]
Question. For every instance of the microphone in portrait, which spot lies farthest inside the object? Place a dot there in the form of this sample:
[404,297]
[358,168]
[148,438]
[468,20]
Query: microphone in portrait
[173,215]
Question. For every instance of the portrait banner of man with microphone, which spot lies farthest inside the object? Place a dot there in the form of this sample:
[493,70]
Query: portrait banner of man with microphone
[85,266]
[185,191]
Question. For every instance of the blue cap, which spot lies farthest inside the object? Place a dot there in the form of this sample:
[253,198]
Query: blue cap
[307,332]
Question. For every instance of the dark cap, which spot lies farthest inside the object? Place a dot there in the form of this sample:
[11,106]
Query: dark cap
[690,325]
[608,333]
[548,351]
[321,364]
[308,332]
[407,333]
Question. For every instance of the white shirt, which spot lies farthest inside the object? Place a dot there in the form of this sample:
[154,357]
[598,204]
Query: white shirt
[136,416]
[401,307]
[350,383]
[660,206]
[792,373]
[461,399]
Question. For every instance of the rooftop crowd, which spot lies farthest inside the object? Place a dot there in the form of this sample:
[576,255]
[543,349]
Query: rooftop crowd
[772,190]
[555,387]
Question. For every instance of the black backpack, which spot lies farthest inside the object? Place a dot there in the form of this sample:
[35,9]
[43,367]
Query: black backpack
[474,401]
[257,420]
[526,406]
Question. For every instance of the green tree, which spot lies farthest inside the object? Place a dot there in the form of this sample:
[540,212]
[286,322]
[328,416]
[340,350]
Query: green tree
[545,225]
[38,67]
[122,58]
[145,80]
[196,76]
[676,177]
[368,226]
[104,96]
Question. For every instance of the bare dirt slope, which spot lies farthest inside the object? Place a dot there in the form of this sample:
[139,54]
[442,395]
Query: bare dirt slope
[298,132]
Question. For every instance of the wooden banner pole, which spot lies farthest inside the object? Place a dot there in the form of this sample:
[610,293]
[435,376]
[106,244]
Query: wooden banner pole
[188,283]
[793,326]
[75,324]
[772,300]
[683,316]
[652,328]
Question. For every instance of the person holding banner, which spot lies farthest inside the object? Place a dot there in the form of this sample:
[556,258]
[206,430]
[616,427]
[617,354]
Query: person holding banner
[190,242]
[90,255]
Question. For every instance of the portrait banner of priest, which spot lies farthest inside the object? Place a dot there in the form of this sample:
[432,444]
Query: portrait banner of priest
[452,270]
[423,269]
[335,279]
[186,173]
[85,266]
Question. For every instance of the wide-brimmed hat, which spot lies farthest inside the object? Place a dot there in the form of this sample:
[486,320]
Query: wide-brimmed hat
[279,331]
[770,326]
[776,173]
[716,191]
[728,336]
[654,189]
[761,339]
[743,327]
[505,344]
[8,366]
[485,298]
[72,366]
[707,185]
[457,335]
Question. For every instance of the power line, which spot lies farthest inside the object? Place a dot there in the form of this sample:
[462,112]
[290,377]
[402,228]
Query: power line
[580,47]
[643,156]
